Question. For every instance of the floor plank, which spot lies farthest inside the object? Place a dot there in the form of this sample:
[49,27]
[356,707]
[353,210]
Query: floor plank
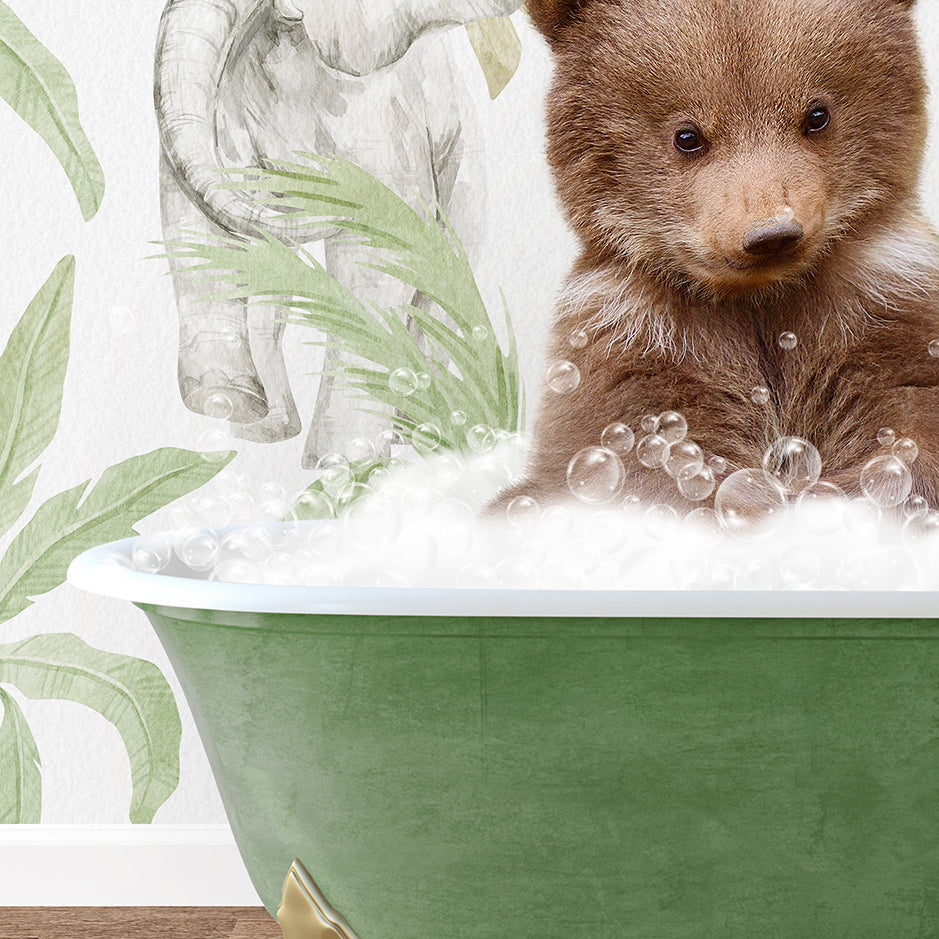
[136,922]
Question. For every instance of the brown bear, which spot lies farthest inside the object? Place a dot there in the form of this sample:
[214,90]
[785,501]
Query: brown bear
[742,178]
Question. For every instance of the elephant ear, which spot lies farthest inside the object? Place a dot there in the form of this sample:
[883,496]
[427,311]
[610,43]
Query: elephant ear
[550,17]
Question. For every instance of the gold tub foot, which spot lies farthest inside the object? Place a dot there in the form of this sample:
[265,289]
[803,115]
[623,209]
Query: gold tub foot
[304,913]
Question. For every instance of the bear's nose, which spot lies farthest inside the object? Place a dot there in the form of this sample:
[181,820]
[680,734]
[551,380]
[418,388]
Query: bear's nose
[772,236]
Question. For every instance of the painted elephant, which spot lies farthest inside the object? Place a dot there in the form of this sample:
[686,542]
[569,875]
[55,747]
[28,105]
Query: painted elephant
[243,82]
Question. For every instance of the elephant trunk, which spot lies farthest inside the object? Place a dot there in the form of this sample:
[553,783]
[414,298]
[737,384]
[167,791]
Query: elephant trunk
[195,41]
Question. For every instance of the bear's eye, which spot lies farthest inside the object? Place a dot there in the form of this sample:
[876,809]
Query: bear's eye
[690,140]
[817,119]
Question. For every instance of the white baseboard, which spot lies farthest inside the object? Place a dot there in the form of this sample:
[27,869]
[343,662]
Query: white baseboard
[122,865]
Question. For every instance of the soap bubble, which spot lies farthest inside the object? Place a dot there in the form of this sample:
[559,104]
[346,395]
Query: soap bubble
[403,381]
[457,418]
[522,510]
[684,457]
[579,338]
[215,511]
[557,522]
[659,521]
[672,426]
[696,483]
[251,544]
[799,567]
[718,464]
[820,508]
[922,528]
[313,504]
[361,448]
[516,572]
[213,443]
[755,574]
[151,553]
[703,526]
[351,495]
[480,438]
[906,449]
[335,480]
[886,436]
[218,405]
[862,517]
[480,333]
[788,341]
[279,567]
[649,423]
[886,481]
[476,575]
[426,438]
[934,348]
[563,377]
[182,515]
[760,394]
[330,460]
[595,475]
[915,507]
[619,438]
[423,381]
[652,451]
[792,463]
[607,530]
[236,571]
[749,504]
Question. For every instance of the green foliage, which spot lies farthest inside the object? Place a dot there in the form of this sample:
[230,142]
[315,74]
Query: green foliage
[39,89]
[129,692]
[21,782]
[471,373]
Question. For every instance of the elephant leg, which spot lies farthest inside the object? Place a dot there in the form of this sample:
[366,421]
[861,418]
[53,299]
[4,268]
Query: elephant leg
[337,415]
[215,364]
[266,324]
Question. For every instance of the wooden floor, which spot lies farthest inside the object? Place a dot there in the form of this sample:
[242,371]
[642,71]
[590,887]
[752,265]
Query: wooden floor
[137,922]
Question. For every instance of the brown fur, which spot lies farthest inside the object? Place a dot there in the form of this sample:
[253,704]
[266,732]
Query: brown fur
[680,317]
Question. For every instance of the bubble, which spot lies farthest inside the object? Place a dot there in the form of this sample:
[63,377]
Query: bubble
[696,483]
[934,348]
[649,423]
[799,567]
[321,575]
[457,418]
[522,510]
[906,449]
[279,567]
[426,438]
[820,508]
[672,426]
[236,571]
[215,511]
[361,448]
[182,515]
[557,522]
[313,504]
[335,480]
[330,460]
[480,438]
[563,377]
[703,525]
[384,441]
[652,451]
[213,443]
[619,438]
[921,528]
[516,572]
[760,394]
[251,544]
[659,521]
[792,463]
[151,553]
[423,381]
[403,381]
[886,436]
[915,507]
[886,481]
[684,456]
[788,341]
[595,475]
[749,505]
[579,338]
[351,495]
[718,464]
[607,530]
[480,333]
[894,568]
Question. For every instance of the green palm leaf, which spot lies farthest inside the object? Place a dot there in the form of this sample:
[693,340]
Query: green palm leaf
[39,89]
[81,518]
[20,775]
[32,373]
[130,693]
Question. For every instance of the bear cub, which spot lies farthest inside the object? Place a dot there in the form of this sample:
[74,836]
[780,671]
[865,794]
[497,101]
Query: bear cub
[742,177]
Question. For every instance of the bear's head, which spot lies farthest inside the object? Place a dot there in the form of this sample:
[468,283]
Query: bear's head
[728,145]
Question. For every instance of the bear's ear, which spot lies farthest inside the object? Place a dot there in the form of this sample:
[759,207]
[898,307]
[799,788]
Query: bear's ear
[550,16]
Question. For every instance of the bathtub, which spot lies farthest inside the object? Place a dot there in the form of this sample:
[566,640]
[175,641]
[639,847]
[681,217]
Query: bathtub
[536,765]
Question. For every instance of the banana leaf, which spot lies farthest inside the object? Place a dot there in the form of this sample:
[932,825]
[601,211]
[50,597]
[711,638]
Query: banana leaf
[20,774]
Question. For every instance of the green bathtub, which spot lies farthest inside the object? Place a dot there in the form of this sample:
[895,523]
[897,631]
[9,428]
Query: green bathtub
[558,773]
